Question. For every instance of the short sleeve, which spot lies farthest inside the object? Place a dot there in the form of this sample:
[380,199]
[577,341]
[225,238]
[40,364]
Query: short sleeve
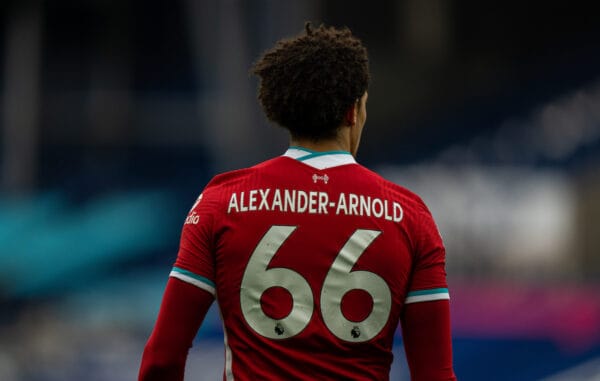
[428,280]
[195,261]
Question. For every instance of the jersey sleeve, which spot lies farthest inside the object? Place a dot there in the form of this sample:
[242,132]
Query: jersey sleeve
[428,280]
[195,260]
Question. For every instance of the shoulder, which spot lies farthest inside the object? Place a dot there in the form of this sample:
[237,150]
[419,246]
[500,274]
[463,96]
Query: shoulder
[396,191]
[217,191]
[417,217]
[232,179]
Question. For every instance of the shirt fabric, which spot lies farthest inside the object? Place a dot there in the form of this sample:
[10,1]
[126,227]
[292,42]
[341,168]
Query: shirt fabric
[312,258]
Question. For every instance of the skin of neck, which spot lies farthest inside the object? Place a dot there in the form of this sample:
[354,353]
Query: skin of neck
[342,142]
[347,136]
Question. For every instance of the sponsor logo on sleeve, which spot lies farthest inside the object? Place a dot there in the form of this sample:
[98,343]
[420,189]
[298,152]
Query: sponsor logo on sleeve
[192,217]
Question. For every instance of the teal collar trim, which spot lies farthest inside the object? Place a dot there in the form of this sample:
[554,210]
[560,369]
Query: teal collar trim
[320,160]
[318,153]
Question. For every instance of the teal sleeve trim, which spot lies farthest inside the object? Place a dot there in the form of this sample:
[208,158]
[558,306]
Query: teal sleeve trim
[195,276]
[428,292]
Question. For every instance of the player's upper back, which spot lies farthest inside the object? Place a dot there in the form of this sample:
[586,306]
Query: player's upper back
[312,257]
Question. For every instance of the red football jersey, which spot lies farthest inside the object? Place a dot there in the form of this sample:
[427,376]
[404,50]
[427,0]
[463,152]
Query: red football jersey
[311,258]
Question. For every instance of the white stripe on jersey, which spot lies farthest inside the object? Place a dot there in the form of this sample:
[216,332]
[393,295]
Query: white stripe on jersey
[193,281]
[427,295]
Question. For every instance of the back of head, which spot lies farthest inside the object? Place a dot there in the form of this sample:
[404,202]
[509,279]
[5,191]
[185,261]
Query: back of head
[308,83]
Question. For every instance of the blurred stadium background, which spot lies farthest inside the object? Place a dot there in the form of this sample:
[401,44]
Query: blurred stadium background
[115,114]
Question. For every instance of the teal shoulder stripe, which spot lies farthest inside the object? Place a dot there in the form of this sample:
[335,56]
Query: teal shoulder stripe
[317,154]
[428,292]
[195,276]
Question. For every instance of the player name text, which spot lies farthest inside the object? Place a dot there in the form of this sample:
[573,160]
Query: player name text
[313,202]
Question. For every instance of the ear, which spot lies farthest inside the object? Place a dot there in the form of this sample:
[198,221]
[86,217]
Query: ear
[350,118]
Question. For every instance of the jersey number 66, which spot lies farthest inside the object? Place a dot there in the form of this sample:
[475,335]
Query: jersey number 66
[339,280]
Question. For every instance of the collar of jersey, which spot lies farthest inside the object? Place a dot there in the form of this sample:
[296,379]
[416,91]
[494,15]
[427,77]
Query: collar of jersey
[320,160]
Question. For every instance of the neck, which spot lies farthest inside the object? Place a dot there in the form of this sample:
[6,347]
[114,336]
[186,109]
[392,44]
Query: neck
[320,146]
[339,143]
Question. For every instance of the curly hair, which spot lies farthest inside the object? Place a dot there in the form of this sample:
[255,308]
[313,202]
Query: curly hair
[309,82]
